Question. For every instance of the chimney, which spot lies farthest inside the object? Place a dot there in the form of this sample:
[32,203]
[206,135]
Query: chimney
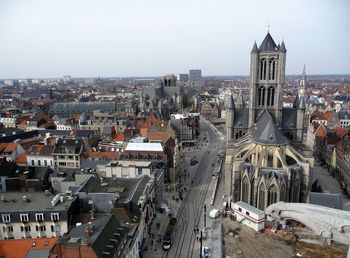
[88,231]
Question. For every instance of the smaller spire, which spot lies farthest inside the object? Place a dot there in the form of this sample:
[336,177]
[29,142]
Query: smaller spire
[231,103]
[255,48]
[296,101]
[283,47]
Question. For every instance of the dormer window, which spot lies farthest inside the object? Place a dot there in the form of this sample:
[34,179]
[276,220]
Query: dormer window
[39,217]
[24,217]
[6,218]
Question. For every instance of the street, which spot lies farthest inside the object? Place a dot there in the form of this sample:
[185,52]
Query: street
[190,213]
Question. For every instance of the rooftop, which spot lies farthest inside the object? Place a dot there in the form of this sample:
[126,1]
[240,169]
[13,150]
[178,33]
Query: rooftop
[155,146]
[15,248]
[35,201]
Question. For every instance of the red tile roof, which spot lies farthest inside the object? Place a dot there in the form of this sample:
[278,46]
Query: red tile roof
[16,248]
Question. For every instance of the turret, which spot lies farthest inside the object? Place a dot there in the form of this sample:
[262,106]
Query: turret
[230,111]
[301,107]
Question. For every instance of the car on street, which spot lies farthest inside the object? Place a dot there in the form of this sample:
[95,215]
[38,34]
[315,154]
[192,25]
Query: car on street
[214,213]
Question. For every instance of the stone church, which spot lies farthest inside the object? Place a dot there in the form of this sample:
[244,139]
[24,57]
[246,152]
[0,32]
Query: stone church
[266,160]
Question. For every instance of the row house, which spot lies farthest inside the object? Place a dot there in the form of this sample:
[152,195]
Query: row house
[68,153]
[101,237]
[130,199]
[35,214]
[210,110]
[40,156]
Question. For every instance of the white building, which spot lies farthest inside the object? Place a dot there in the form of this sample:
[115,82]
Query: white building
[8,121]
[249,215]
[128,169]
[34,215]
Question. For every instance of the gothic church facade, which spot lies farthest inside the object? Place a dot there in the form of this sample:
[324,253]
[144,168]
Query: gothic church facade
[266,161]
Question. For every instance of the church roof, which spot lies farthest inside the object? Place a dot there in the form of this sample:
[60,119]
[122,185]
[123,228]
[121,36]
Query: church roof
[289,118]
[231,103]
[265,131]
[268,44]
[241,116]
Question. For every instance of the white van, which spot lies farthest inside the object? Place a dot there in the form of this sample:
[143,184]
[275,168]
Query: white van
[214,213]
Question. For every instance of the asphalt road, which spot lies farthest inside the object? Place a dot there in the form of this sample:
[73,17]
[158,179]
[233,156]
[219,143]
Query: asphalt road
[191,209]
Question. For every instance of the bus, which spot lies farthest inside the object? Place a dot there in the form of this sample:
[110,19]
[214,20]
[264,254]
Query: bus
[168,234]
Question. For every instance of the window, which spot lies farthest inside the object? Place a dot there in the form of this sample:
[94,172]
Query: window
[56,228]
[24,217]
[240,209]
[245,190]
[25,228]
[139,171]
[272,194]
[261,198]
[45,163]
[33,162]
[247,213]
[39,162]
[10,229]
[41,228]
[6,218]
[39,217]
[55,216]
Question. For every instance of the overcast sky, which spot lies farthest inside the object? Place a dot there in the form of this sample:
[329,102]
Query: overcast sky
[82,38]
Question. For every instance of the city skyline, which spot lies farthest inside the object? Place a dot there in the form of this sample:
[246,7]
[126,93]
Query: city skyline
[87,39]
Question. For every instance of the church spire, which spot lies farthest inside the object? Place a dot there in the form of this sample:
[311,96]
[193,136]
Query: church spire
[283,47]
[255,48]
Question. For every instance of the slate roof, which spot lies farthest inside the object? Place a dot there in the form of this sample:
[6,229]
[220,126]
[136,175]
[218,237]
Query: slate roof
[231,103]
[289,118]
[266,132]
[326,199]
[80,107]
[343,115]
[106,228]
[268,44]
[241,116]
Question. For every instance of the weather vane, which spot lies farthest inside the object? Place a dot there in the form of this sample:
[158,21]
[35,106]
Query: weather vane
[268,26]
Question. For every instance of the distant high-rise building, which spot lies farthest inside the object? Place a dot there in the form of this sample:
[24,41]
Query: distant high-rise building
[182,77]
[195,75]
[67,78]
[8,82]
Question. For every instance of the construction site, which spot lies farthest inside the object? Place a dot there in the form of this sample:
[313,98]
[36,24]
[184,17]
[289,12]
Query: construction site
[241,241]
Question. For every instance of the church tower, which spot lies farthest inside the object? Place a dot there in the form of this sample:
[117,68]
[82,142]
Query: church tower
[301,107]
[267,78]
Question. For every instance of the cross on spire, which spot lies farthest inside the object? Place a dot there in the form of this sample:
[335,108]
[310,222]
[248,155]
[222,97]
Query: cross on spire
[268,26]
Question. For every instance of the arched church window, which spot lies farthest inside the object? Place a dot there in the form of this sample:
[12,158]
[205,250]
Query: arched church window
[272,69]
[272,198]
[262,69]
[270,96]
[252,187]
[296,191]
[270,160]
[245,190]
[261,197]
[282,193]
[263,96]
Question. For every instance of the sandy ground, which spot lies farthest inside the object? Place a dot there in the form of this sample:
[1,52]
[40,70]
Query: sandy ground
[248,243]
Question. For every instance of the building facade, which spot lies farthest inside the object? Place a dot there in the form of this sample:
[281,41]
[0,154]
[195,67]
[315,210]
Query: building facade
[265,160]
